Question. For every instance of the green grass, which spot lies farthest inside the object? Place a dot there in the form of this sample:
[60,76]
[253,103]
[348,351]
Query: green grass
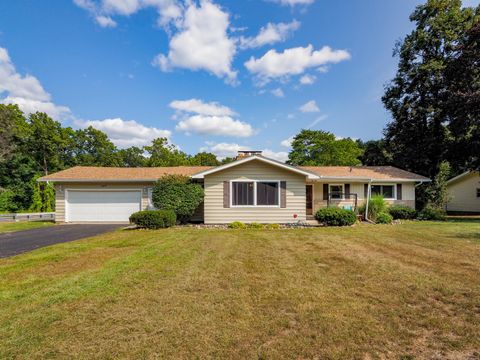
[22,225]
[363,292]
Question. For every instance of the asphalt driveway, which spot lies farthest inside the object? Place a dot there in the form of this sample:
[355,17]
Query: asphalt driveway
[22,241]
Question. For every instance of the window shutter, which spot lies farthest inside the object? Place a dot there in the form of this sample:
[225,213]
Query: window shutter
[399,191]
[347,191]
[325,191]
[365,190]
[226,194]
[283,194]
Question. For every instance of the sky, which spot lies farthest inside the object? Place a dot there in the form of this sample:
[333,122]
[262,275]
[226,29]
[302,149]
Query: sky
[210,75]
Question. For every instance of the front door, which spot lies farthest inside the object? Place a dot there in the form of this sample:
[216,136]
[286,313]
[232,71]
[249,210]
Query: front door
[309,197]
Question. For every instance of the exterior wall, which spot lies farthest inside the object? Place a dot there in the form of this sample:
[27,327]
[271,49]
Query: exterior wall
[463,194]
[61,187]
[215,213]
[408,194]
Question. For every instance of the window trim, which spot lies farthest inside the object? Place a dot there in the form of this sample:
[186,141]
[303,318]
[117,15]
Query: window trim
[385,184]
[342,197]
[255,193]
[478,193]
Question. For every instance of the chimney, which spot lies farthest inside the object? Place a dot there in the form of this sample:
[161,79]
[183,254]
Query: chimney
[246,153]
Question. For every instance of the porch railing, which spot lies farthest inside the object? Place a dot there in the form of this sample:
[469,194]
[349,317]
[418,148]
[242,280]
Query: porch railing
[337,197]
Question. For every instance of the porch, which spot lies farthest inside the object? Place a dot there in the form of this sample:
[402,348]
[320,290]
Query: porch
[321,195]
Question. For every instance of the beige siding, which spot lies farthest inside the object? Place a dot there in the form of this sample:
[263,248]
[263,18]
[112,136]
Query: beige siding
[215,213]
[463,194]
[408,194]
[60,193]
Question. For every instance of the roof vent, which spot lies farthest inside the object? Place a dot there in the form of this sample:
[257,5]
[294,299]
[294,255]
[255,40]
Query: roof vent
[246,153]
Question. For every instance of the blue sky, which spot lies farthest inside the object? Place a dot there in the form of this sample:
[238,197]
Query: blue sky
[210,75]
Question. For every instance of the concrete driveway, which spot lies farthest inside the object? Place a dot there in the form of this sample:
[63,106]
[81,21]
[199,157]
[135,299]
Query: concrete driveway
[22,241]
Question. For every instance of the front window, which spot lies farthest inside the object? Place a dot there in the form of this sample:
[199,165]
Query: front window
[336,192]
[255,193]
[242,193]
[267,193]
[478,193]
[387,191]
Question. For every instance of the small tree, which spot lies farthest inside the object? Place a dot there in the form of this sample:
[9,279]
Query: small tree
[43,198]
[437,192]
[179,194]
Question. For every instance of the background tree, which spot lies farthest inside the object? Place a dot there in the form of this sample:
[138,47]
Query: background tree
[438,61]
[204,159]
[94,148]
[132,157]
[375,153]
[321,148]
[164,154]
[11,119]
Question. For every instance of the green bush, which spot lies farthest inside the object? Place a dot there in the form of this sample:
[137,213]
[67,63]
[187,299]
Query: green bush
[153,219]
[384,218]
[376,205]
[255,225]
[7,203]
[237,225]
[431,213]
[333,216]
[272,226]
[179,194]
[402,212]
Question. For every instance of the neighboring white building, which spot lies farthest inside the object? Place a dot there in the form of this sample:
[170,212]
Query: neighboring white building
[464,193]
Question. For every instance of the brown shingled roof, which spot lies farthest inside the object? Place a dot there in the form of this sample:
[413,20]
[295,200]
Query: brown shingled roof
[85,173]
[364,172]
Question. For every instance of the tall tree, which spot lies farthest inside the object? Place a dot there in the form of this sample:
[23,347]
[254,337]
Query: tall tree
[11,121]
[132,157]
[164,154]
[375,153]
[94,148]
[418,97]
[321,148]
[204,159]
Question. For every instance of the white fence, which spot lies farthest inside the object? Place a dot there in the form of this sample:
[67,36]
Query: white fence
[28,217]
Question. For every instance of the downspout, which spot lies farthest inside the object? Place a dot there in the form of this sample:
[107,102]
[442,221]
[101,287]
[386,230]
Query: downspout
[369,190]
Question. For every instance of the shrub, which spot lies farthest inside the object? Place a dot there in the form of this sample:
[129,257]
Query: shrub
[237,225]
[179,194]
[431,213]
[272,226]
[255,225]
[333,216]
[384,218]
[7,203]
[402,212]
[376,205]
[153,219]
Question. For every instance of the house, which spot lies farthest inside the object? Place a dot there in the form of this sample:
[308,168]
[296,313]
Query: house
[253,188]
[464,193]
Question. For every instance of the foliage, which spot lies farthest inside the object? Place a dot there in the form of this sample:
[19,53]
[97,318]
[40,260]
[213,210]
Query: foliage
[316,147]
[434,98]
[376,205]
[333,216]
[375,153]
[7,203]
[43,198]
[153,219]
[11,119]
[204,159]
[272,226]
[237,225]
[437,192]
[92,147]
[255,225]
[402,212]
[383,218]
[132,157]
[431,213]
[161,153]
[179,194]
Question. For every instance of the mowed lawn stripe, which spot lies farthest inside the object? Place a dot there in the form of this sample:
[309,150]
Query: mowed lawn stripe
[364,291]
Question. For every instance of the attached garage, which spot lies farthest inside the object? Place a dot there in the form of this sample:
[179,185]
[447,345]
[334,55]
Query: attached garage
[101,205]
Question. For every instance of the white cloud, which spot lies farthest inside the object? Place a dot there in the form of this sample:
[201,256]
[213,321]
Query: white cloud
[102,11]
[270,34]
[293,2]
[307,79]
[199,107]
[210,118]
[279,156]
[317,120]
[214,125]
[287,142]
[278,92]
[223,150]
[309,107]
[294,61]
[105,21]
[26,91]
[201,43]
[126,133]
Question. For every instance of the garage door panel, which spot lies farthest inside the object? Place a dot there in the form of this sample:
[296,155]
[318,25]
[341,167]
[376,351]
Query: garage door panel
[102,206]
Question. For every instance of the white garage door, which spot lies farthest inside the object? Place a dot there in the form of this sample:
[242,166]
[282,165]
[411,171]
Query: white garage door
[102,206]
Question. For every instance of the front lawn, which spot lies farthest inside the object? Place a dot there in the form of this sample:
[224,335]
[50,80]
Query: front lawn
[400,292]
[22,225]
